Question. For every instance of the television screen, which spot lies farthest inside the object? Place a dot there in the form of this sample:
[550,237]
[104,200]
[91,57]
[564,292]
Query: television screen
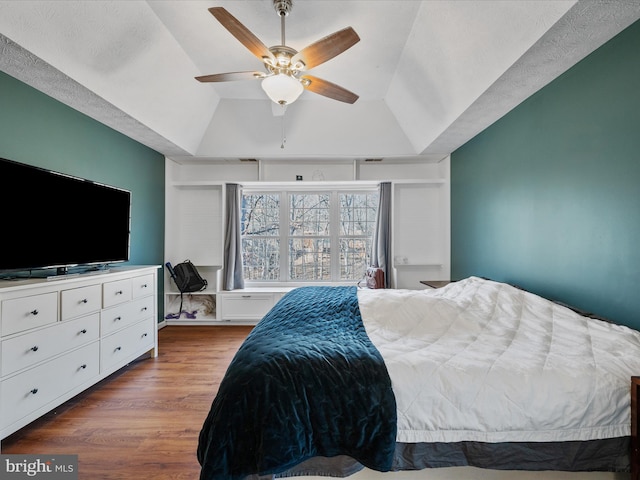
[54,220]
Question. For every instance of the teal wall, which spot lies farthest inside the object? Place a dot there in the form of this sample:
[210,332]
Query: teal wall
[548,197]
[38,130]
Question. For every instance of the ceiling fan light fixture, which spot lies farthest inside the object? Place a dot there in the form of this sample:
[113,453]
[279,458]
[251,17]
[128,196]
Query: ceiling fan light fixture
[282,89]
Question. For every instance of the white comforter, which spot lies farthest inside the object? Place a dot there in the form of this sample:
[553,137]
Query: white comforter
[484,361]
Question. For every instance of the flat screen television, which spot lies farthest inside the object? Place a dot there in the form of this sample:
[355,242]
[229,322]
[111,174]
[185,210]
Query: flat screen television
[52,220]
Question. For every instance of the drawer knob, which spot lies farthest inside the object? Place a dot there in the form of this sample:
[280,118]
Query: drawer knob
[83,366]
[145,285]
[34,348]
[34,391]
[84,300]
[119,292]
[144,335]
[84,330]
[34,312]
[117,319]
[118,349]
[144,309]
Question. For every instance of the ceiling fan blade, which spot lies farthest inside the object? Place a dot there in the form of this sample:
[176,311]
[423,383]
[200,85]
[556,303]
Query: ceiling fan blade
[325,48]
[227,77]
[242,33]
[328,89]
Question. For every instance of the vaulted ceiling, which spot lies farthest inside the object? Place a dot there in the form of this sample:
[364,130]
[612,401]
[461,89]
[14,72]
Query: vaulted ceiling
[430,74]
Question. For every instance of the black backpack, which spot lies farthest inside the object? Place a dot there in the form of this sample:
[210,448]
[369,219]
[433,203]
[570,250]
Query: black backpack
[187,279]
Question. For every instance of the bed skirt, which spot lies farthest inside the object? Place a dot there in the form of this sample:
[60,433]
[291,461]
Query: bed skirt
[607,455]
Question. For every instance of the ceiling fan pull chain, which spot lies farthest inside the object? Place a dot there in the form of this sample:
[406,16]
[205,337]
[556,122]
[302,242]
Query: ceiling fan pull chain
[284,138]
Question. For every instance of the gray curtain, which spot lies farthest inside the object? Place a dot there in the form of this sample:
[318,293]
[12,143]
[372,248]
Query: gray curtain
[232,275]
[381,244]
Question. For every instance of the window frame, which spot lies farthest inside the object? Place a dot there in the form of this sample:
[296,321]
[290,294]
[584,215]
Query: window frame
[284,190]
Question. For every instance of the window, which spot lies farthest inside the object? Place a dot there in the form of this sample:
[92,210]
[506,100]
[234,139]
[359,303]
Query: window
[309,237]
[260,218]
[357,224]
[303,236]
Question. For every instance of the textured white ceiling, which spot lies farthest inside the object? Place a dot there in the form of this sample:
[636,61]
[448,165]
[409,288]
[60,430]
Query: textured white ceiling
[430,74]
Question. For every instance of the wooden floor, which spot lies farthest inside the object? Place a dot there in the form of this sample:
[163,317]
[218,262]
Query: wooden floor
[143,421]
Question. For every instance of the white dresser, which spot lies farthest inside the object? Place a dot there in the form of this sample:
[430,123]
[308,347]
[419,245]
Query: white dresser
[59,337]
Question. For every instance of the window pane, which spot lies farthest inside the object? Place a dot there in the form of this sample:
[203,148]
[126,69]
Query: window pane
[354,256]
[358,213]
[260,214]
[261,258]
[309,214]
[357,223]
[309,259]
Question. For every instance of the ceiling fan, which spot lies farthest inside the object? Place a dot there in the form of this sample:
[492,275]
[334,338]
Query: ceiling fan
[283,80]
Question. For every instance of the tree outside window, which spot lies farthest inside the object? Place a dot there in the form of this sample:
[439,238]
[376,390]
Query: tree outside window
[308,236]
[260,230]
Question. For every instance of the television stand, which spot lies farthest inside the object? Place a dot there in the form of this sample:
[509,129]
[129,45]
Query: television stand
[64,272]
[61,276]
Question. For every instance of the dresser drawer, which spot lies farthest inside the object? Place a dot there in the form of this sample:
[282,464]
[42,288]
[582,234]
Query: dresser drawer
[35,388]
[125,345]
[122,316]
[142,286]
[80,301]
[24,313]
[30,348]
[114,293]
[249,306]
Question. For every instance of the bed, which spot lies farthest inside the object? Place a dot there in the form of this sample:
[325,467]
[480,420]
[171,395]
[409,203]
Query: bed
[478,373]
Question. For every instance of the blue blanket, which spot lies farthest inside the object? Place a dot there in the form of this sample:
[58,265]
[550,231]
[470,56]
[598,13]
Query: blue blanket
[306,382]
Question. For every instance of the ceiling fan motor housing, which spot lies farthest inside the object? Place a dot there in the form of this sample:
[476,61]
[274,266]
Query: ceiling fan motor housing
[283,55]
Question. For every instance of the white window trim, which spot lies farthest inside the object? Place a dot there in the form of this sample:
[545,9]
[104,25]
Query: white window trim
[353,186]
